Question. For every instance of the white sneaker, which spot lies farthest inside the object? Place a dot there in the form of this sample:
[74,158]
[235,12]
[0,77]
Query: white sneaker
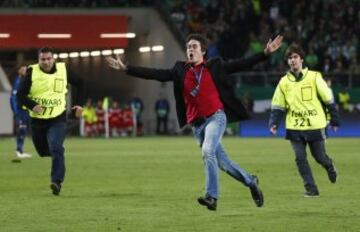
[23,155]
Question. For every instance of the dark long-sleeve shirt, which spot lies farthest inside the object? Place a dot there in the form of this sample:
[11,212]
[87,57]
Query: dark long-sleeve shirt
[24,90]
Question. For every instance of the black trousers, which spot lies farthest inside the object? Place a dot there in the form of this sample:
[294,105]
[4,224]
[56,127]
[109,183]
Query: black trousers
[318,151]
[49,142]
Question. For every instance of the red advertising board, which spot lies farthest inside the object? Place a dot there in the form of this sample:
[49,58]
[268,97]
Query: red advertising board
[76,31]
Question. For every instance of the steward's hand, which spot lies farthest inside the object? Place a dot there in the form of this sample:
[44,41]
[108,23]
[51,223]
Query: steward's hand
[273,129]
[78,111]
[334,128]
[38,109]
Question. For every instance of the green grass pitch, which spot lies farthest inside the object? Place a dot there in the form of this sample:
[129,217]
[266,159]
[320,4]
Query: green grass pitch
[151,184]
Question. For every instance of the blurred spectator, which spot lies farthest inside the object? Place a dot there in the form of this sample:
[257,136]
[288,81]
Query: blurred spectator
[344,100]
[21,114]
[248,102]
[213,50]
[90,119]
[178,16]
[73,4]
[195,23]
[348,50]
[255,45]
[339,72]
[330,27]
[311,59]
[326,66]
[100,115]
[115,119]
[162,110]
[137,107]
[128,120]
[354,65]
[212,11]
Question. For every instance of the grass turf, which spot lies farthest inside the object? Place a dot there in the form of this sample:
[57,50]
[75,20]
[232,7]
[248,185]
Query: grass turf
[151,184]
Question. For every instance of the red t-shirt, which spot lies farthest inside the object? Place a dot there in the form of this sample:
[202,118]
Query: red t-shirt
[100,114]
[207,100]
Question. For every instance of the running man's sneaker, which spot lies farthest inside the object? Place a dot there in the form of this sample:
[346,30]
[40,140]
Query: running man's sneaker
[256,192]
[22,155]
[208,201]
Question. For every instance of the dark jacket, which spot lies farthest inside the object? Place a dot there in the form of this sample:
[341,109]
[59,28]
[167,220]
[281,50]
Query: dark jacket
[219,69]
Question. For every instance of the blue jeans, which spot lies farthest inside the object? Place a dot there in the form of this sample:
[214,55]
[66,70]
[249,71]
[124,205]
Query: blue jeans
[208,136]
[48,141]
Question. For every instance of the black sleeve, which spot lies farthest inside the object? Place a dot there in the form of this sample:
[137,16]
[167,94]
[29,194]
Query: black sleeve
[334,116]
[161,75]
[24,89]
[244,63]
[276,117]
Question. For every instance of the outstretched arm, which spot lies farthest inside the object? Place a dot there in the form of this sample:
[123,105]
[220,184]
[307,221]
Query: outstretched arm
[246,63]
[273,45]
[141,72]
[116,63]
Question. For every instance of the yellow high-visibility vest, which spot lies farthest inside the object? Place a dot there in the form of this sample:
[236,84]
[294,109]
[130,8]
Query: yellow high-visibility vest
[302,100]
[49,91]
[89,114]
[344,100]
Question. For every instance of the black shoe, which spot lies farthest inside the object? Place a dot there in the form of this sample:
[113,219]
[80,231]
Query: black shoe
[208,201]
[256,192]
[312,193]
[332,174]
[56,188]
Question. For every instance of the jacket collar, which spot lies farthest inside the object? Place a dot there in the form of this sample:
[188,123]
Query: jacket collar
[292,76]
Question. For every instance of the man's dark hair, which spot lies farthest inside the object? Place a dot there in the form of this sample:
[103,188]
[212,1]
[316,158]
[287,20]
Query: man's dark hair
[45,50]
[295,48]
[202,40]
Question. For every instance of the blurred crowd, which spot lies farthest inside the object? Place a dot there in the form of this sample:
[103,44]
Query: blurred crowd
[73,3]
[108,117]
[119,121]
[328,29]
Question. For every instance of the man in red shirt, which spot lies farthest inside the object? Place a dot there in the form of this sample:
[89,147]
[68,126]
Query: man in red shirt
[128,120]
[100,114]
[206,101]
[115,118]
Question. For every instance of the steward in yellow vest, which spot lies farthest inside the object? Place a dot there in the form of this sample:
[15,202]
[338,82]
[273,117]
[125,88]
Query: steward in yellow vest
[302,95]
[48,90]
[43,91]
[303,100]
[344,100]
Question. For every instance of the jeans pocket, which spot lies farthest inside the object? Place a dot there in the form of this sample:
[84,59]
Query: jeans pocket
[197,132]
[220,118]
